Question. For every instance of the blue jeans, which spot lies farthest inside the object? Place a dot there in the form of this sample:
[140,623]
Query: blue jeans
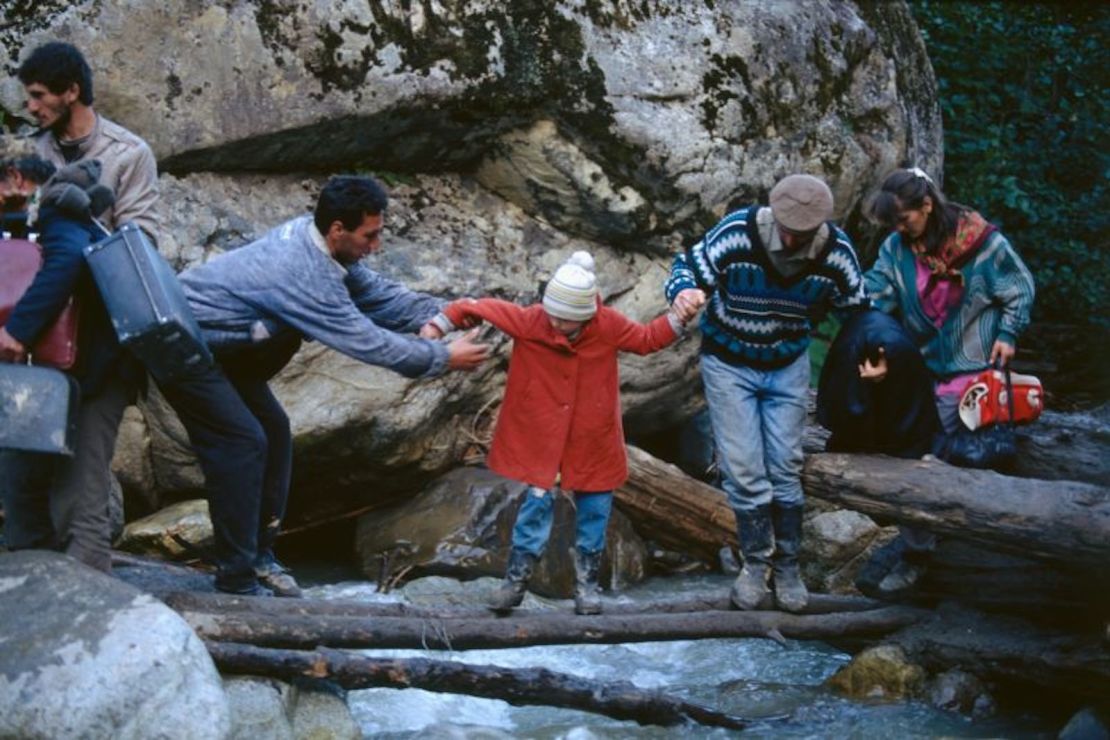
[758,417]
[533,521]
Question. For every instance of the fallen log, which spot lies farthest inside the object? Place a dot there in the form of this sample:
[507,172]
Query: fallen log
[709,601]
[1059,521]
[1048,592]
[519,687]
[679,512]
[308,632]
[1058,446]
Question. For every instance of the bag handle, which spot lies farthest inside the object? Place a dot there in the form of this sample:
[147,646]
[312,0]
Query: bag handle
[1009,391]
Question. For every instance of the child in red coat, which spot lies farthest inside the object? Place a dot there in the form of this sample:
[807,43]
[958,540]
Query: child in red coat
[561,418]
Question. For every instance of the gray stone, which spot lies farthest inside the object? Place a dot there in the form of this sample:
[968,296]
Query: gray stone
[323,715]
[1086,724]
[836,544]
[259,708]
[132,462]
[268,708]
[959,691]
[85,655]
[159,533]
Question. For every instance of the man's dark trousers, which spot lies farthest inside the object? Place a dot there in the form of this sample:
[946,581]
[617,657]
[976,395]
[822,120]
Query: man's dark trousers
[241,437]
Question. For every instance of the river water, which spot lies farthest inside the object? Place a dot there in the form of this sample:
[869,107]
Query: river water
[748,677]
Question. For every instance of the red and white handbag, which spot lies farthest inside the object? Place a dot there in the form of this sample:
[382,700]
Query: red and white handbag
[986,400]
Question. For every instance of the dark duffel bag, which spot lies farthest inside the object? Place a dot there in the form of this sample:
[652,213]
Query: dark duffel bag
[38,409]
[147,305]
[20,261]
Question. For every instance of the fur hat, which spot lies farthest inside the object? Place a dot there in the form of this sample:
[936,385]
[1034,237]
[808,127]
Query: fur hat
[572,293]
[801,202]
[14,147]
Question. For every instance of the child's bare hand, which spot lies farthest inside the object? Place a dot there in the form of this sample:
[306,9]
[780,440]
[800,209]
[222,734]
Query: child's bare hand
[874,372]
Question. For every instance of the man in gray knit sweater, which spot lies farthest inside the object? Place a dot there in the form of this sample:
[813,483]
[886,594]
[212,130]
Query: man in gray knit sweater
[254,305]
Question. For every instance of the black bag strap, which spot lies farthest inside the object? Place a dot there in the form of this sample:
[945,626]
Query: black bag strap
[1009,391]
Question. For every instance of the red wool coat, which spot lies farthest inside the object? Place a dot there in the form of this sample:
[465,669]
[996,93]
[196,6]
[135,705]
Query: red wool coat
[562,413]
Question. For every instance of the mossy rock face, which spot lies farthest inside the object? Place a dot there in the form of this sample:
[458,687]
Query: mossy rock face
[880,672]
[689,108]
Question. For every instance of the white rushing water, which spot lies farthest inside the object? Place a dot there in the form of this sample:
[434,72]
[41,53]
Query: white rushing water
[748,677]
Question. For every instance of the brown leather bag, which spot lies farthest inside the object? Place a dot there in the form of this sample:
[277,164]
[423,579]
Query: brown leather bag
[20,261]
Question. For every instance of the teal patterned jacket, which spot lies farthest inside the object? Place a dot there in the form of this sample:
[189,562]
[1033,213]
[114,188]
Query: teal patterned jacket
[998,296]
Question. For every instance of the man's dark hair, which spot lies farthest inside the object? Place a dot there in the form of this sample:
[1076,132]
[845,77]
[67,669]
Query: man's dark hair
[57,65]
[349,200]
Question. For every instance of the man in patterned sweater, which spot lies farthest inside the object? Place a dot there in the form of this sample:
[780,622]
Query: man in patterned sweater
[765,271]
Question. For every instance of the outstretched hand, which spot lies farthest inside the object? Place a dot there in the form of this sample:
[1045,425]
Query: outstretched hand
[466,354]
[874,372]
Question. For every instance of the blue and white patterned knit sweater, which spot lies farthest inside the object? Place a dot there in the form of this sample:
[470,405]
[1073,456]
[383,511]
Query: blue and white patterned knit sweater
[755,316]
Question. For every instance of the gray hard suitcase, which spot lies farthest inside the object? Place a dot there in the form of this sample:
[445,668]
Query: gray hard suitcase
[38,409]
[147,305]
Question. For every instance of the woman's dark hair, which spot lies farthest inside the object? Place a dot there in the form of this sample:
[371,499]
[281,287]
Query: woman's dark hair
[906,190]
[348,200]
[57,65]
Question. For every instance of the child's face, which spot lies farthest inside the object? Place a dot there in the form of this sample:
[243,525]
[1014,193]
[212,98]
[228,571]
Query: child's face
[566,327]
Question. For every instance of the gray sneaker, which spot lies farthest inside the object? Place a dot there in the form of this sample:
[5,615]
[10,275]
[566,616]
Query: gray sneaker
[278,579]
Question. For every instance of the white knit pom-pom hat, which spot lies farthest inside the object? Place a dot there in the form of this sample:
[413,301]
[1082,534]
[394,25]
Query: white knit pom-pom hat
[572,293]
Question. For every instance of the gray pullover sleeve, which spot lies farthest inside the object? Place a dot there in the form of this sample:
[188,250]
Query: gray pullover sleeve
[283,279]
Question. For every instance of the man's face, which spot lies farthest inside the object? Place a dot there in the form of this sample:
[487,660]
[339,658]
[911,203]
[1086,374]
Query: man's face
[348,247]
[51,110]
[795,240]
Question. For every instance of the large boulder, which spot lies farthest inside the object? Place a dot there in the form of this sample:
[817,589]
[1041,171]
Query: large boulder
[511,134]
[461,526]
[85,655]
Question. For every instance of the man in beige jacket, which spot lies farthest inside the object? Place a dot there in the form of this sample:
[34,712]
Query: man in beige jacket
[58,82]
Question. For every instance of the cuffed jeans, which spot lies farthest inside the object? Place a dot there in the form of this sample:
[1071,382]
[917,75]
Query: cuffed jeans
[758,419]
[533,521]
[242,439]
[61,503]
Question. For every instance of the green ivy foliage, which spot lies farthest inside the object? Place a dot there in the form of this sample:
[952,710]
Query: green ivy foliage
[1025,95]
